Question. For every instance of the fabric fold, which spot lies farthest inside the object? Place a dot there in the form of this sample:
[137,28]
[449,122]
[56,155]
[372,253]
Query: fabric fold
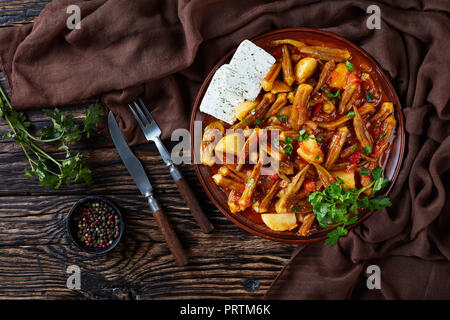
[162,50]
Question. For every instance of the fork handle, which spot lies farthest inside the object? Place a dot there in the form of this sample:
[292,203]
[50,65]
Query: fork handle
[169,234]
[185,190]
[193,205]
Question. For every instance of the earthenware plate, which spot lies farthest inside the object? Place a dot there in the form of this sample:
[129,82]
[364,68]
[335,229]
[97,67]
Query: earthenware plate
[310,37]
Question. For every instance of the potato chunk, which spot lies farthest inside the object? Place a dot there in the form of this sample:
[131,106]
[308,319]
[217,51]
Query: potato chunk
[304,69]
[347,177]
[280,221]
[310,151]
[338,77]
[231,143]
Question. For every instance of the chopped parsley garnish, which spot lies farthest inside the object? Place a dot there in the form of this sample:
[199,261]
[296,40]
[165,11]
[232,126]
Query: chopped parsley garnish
[282,118]
[288,140]
[257,122]
[349,66]
[288,148]
[250,182]
[364,172]
[350,114]
[337,205]
[331,96]
[296,208]
[318,157]
[353,147]
[369,96]
[367,149]
[253,111]
[303,135]
[319,138]
[382,137]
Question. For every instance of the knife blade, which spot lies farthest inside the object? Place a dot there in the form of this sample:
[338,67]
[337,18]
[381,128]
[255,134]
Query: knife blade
[132,163]
[139,176]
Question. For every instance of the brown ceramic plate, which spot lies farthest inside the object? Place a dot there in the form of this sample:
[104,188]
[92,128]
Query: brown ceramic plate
[310,37]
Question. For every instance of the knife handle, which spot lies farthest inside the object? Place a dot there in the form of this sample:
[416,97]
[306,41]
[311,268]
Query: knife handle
[191,201]
[169,234]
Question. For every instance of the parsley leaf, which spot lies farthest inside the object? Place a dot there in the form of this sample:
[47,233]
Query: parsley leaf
[287,149]
[50,172]
[282,118]
[337,94]
[93,116]
[334,235]
[364,172]
[349,65]
[338,206]
[288,140]
[369,96]
[367,149]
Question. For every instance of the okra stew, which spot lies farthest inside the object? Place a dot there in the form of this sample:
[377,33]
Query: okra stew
[323,119]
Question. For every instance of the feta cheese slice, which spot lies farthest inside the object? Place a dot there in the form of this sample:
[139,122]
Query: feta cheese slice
[249,66]
[219,101]
[238,81]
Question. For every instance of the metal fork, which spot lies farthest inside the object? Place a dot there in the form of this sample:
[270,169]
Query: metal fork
[153,132]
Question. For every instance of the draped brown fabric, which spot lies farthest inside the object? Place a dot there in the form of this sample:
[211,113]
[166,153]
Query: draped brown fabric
[164,49]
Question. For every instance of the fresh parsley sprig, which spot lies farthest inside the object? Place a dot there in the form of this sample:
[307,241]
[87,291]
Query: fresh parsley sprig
[336,95]
[303,136]
[50,172]
[337,205]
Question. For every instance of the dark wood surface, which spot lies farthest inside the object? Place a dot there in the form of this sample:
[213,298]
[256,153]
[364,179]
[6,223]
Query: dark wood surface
[35,249]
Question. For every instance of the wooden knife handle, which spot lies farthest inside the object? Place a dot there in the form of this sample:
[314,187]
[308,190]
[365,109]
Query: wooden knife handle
[171,238]
[194,206]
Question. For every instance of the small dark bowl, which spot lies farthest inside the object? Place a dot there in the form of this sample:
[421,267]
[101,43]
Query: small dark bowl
[71,227]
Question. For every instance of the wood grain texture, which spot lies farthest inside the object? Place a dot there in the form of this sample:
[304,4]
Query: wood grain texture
[35,249]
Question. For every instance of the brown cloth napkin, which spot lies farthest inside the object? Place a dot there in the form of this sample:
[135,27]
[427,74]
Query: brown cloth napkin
[164,49]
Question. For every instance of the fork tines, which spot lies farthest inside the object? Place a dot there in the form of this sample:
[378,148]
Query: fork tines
[145,121]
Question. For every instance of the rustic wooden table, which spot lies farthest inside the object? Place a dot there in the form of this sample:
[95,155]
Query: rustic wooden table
[35,250]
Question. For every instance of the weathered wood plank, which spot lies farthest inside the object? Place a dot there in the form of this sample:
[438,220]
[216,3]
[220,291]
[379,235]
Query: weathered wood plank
[35,250]
[15,12]
[39,220]
[143,271]
[108,172]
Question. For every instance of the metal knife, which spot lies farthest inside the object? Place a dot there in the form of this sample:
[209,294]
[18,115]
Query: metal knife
[139,176]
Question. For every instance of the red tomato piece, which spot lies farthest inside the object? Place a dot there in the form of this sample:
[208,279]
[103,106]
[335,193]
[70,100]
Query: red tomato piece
[353,77]
[317,109]
[355,157]
[309,185]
